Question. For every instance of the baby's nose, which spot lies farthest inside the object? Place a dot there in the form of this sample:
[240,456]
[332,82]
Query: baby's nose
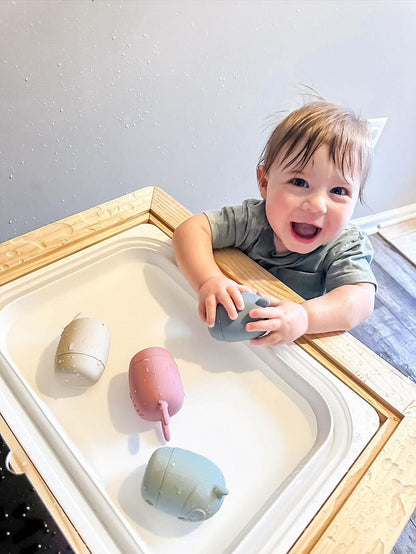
[315,203]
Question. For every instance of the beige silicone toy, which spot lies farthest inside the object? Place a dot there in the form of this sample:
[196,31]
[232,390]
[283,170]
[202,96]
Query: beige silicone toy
[82,352]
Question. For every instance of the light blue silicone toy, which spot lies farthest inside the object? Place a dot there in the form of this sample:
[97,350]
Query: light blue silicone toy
[233,330]
[183,484]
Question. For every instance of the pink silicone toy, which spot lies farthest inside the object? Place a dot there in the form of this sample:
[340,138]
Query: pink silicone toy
[155,386]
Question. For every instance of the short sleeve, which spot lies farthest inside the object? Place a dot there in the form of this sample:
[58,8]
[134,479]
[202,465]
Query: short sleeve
[350,261]
[237,226]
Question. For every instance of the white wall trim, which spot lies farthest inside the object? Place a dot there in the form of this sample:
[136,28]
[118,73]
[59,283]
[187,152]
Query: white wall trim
[372,223]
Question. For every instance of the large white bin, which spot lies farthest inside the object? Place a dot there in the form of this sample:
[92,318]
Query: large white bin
[281,428]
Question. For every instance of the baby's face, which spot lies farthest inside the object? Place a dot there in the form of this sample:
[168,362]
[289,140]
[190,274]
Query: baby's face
[309,207]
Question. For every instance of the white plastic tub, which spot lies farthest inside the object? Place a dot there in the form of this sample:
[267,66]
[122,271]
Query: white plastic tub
[280,427]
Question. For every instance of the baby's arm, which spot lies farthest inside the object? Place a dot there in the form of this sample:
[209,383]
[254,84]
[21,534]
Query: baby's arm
[338,310]
[192,244]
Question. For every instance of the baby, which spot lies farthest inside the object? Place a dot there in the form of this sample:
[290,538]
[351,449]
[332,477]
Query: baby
[311,174]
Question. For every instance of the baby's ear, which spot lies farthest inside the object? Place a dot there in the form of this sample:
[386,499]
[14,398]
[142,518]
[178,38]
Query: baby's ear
[262,179]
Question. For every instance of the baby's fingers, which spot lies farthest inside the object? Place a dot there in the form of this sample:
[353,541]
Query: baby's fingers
[232,302]
[236,301]
[207,310]
[210,309]
[265,313]
[264,325]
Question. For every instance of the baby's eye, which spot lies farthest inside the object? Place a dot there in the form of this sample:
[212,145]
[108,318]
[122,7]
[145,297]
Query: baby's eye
[341,191]
[298,182]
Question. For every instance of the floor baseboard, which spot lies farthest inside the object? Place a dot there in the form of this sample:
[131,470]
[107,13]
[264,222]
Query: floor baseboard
[372,223]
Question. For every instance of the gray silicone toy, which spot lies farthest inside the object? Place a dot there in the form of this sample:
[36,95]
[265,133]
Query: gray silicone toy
[183,484]
[233,330]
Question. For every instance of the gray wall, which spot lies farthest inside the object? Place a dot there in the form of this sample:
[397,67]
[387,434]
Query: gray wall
[102,98]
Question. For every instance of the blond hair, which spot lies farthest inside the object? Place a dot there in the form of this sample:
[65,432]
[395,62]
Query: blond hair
[303,131]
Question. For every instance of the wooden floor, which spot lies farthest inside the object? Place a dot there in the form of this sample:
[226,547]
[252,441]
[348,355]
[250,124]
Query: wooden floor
[391,331]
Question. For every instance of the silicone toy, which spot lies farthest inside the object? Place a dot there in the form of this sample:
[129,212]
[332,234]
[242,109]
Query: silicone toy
[233,330]
[82,352]
[183,484]
[155,386]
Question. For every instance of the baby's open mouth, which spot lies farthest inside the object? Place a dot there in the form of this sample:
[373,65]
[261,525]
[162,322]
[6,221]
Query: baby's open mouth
[305,231]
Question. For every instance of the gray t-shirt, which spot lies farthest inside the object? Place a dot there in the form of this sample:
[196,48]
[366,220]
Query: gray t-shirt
[343,261]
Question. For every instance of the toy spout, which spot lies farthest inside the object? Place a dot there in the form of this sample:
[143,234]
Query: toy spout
[163,405]
[220,491]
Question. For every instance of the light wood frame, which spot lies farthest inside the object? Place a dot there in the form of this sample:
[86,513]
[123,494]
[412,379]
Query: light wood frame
[370,506]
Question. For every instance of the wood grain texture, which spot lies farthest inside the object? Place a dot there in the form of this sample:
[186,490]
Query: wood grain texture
[388,334]
[402,236]
[167,211]
[391,498]
[36,249]
[333,505]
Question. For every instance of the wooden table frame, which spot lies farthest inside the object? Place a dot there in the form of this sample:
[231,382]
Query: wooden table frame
[368,509]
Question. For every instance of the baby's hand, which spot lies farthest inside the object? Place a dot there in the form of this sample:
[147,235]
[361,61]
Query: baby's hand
[220,290]
[286,321]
